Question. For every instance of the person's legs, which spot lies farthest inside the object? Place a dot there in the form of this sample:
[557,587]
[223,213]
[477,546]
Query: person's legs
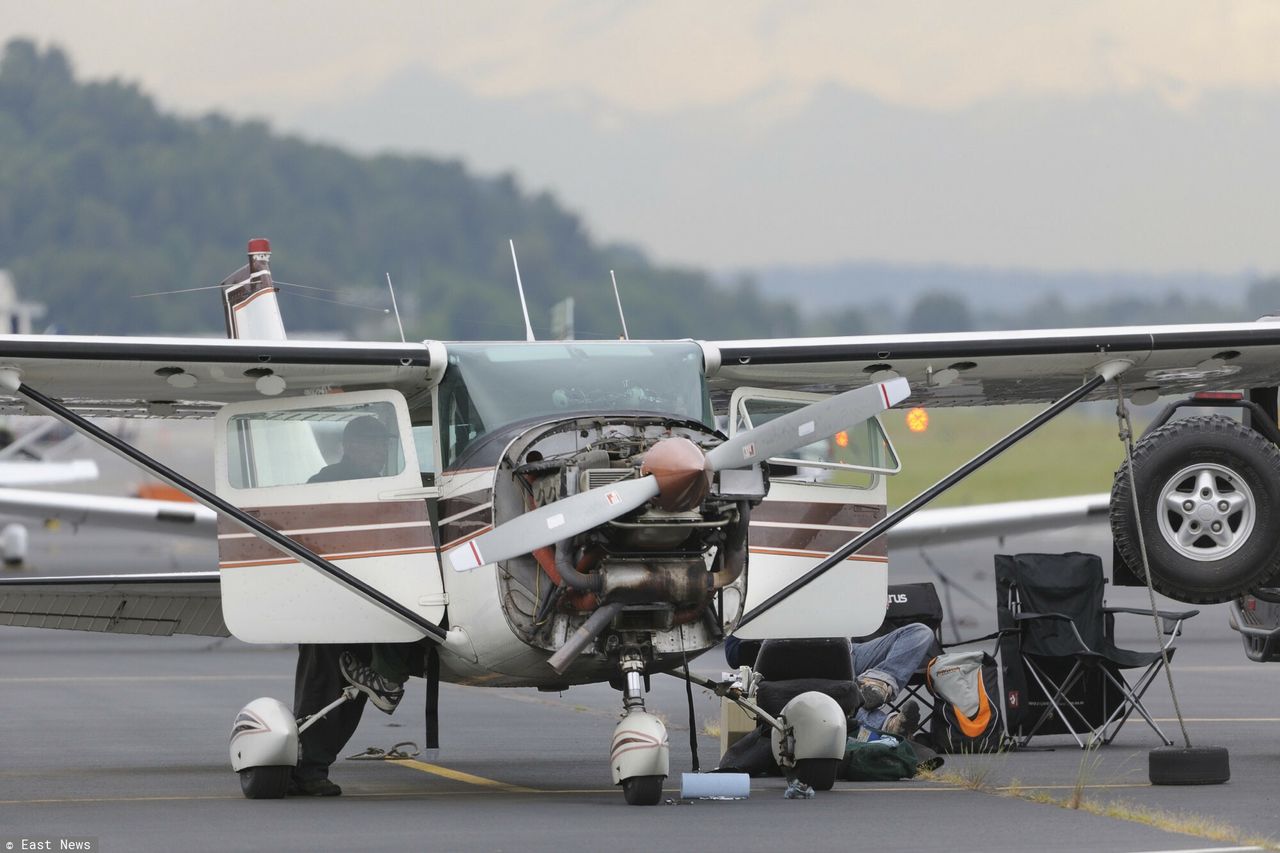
[397,661]
[883,665]
[895,657]
[382,678]
[317,682]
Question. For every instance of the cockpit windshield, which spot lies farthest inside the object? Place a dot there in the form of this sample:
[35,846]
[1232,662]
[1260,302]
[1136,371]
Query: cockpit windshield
[487,386]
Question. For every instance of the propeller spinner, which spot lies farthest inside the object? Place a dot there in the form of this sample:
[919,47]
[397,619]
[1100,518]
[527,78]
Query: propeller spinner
[676,475]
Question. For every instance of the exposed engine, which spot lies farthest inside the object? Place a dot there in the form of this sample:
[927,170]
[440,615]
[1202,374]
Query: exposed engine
[667,576]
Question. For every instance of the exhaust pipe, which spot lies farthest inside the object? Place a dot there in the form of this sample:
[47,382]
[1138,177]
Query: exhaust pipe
[581,638]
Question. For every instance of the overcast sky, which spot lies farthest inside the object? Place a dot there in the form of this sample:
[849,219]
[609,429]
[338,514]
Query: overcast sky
[1073,134]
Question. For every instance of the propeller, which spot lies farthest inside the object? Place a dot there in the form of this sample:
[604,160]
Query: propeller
[676,475]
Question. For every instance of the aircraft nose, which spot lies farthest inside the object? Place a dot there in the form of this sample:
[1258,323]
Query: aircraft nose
[682,472]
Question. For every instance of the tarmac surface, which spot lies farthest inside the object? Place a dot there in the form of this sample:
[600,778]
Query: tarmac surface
[123,740]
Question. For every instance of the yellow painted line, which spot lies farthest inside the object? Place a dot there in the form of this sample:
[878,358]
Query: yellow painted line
[1031,786]
[459,776]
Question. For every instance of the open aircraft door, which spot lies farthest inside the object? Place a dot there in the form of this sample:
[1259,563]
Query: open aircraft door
[339,474]
[820,497]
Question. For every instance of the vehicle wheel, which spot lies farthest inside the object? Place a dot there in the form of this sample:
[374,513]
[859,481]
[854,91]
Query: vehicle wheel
[643,790]
[1194,765]
[265,783]
[1209,500]
[818,773]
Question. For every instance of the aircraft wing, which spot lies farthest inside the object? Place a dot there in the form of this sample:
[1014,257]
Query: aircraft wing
[182,517]
[22,472]
[956,524]
[992,368]
[185,377]
[154,604]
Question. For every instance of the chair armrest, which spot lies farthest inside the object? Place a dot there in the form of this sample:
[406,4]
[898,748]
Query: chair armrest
[1056,617]
[1163,614]
[1027,617]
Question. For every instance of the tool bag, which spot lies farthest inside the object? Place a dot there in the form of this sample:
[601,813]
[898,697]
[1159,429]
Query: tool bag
[966,717]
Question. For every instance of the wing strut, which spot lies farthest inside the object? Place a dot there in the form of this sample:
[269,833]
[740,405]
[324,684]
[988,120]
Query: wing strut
[883,526]
[11,381]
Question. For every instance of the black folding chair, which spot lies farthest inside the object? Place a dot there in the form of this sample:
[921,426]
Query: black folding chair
[1060,633]
[910,603]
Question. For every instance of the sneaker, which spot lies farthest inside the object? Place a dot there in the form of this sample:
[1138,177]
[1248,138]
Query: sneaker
[383,693]
[313,788]
[875,692]
[903,723]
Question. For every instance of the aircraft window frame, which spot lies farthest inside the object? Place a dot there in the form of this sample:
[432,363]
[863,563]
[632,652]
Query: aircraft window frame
[288,482]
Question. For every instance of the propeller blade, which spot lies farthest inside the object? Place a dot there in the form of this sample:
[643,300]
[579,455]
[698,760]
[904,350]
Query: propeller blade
[552,523]
[805,426]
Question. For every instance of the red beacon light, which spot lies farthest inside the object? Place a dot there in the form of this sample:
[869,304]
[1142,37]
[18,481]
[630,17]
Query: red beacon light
[259,246]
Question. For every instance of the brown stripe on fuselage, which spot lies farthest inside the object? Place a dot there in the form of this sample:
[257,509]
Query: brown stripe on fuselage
[282,560]
[309,516]
[331,542]
[808,539]
[861,555]
[475,515]
[807,512]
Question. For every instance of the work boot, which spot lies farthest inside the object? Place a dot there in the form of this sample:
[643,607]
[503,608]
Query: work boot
[875,692]
[383,693]
[313,788]
[903,723]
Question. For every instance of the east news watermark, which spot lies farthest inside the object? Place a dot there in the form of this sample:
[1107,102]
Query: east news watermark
[50,842]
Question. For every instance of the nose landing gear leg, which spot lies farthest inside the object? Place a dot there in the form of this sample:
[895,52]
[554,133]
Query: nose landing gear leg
[639,756]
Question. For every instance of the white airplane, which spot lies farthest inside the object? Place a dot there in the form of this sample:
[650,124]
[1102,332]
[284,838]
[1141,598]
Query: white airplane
[38,468]
[557,513]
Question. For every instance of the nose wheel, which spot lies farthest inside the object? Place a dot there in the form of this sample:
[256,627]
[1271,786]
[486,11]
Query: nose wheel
[639,756]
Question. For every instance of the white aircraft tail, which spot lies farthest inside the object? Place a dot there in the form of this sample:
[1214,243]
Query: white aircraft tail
[249,298]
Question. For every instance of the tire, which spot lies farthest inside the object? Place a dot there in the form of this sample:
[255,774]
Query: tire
[1192,475]
[1196,765]
[643,790]
[818,773]
[265,783]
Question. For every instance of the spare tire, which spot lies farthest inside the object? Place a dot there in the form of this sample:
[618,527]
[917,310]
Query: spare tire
[1209,502]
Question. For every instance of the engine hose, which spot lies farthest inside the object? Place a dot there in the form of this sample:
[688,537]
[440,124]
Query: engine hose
[732,558]
[569,573]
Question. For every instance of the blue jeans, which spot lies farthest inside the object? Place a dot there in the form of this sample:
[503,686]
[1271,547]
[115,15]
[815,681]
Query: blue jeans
[893,658]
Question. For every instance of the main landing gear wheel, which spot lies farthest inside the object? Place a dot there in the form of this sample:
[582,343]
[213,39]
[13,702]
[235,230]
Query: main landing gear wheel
[265,783]
[1209,503]
[643,790]
[1188,765]
[818,773]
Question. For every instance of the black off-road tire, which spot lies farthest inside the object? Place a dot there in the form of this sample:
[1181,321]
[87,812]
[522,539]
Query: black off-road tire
[265,783]
[1211,440]
[1188,765]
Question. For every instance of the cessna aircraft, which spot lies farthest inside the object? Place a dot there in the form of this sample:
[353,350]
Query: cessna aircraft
[557,513]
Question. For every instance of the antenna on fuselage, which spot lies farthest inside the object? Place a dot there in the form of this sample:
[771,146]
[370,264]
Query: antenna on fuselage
[618,299]
[394,308]
[528,328]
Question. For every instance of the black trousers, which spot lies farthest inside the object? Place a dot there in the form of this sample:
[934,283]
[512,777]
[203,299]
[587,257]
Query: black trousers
[317,682]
